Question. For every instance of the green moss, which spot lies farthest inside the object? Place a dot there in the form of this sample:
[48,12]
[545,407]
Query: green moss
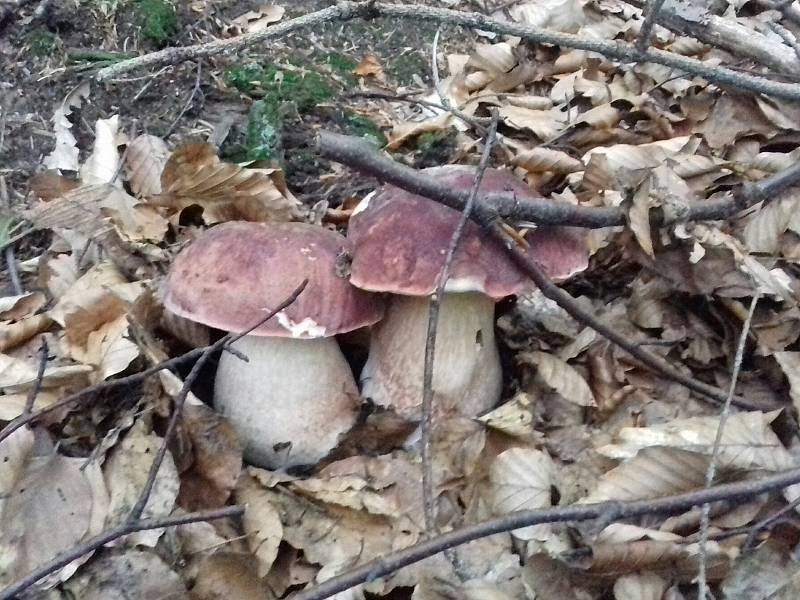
[361,126]
[342,66]
[159,20]
[434,148]
[264,126]
[42,42]
[277,85]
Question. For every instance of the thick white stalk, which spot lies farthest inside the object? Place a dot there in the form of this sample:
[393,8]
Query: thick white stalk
[291,402]
[467,377]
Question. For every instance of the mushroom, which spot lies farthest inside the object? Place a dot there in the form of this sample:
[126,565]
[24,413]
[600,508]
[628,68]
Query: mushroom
[296,394]
[399,245]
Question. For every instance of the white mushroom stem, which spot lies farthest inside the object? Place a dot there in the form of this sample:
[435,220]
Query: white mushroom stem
[291,402]
[467,377]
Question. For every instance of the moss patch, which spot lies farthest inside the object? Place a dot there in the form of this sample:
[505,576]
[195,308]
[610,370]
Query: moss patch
[276,85]
[264,132]
[158,19]
[355,124]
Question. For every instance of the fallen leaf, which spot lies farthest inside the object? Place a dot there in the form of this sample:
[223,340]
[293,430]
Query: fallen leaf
[261,523]
[145,158]
[65,155]
[560,376]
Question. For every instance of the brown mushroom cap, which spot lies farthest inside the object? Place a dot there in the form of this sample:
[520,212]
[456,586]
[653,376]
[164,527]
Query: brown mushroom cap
[400,241]
[237,272]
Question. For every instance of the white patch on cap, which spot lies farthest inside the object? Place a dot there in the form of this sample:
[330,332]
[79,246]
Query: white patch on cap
[307,328]
[362,206]
[465,284]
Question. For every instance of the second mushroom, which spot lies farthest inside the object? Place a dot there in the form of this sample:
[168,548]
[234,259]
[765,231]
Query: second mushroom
[399,245]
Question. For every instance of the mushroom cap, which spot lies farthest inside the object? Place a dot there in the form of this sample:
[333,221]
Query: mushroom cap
[237,272]
[400,241]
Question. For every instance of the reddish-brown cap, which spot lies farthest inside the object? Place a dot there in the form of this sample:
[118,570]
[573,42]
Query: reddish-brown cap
[235,273]
[400,241]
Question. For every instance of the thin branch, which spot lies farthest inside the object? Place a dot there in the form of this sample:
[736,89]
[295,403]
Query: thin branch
[359,155]
[705,514]
[106,537]
[226,340]
[433,322]
[348,10]
[614,511]
[44,353]
[651,11]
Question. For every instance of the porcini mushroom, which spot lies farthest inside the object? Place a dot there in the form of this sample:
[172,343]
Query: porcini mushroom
[295,397]
[399,246]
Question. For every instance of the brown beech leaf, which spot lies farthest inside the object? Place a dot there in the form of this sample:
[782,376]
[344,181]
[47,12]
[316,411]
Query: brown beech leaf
[369,66]
[231,576]
[145,158]
[261,523]
[560,376]
[103,163]
[225,191]
[50,503]
[640,586]
[126,470]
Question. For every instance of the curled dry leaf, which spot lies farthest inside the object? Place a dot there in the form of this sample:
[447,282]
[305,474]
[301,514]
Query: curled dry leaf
[15,308]
[65,155]
[226,192]
[19,374]
[51,503]
[560,376]
[94,315]
[126,470]
[258,20]
[514,417]
[145,158]
[540,160]
[370,66]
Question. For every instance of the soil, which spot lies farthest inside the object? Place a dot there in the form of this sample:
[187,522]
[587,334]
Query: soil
[45,56]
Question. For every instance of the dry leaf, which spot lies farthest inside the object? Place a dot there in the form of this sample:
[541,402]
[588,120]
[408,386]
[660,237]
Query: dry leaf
[560,376]
[261,523]
[126,470]
[522,479]
[134,574]
[194,175]
[145,158]
[65,155]
[258,20]
[102,166]
[15,308]
[230,576]
[51,502]
[370,66]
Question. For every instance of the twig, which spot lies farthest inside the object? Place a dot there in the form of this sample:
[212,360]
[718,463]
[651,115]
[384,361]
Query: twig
[348,10]
[104,538]
[361,156]
[614,511]
[433,321]
[767,522]
[651,11]
[102,387]
[186,106]
[705,513]
[44,353]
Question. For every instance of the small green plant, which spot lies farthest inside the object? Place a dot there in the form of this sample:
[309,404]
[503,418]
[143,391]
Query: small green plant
[42,42]
[159,20]
[342,66]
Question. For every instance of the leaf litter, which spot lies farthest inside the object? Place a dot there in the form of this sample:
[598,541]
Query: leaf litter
[580,421]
